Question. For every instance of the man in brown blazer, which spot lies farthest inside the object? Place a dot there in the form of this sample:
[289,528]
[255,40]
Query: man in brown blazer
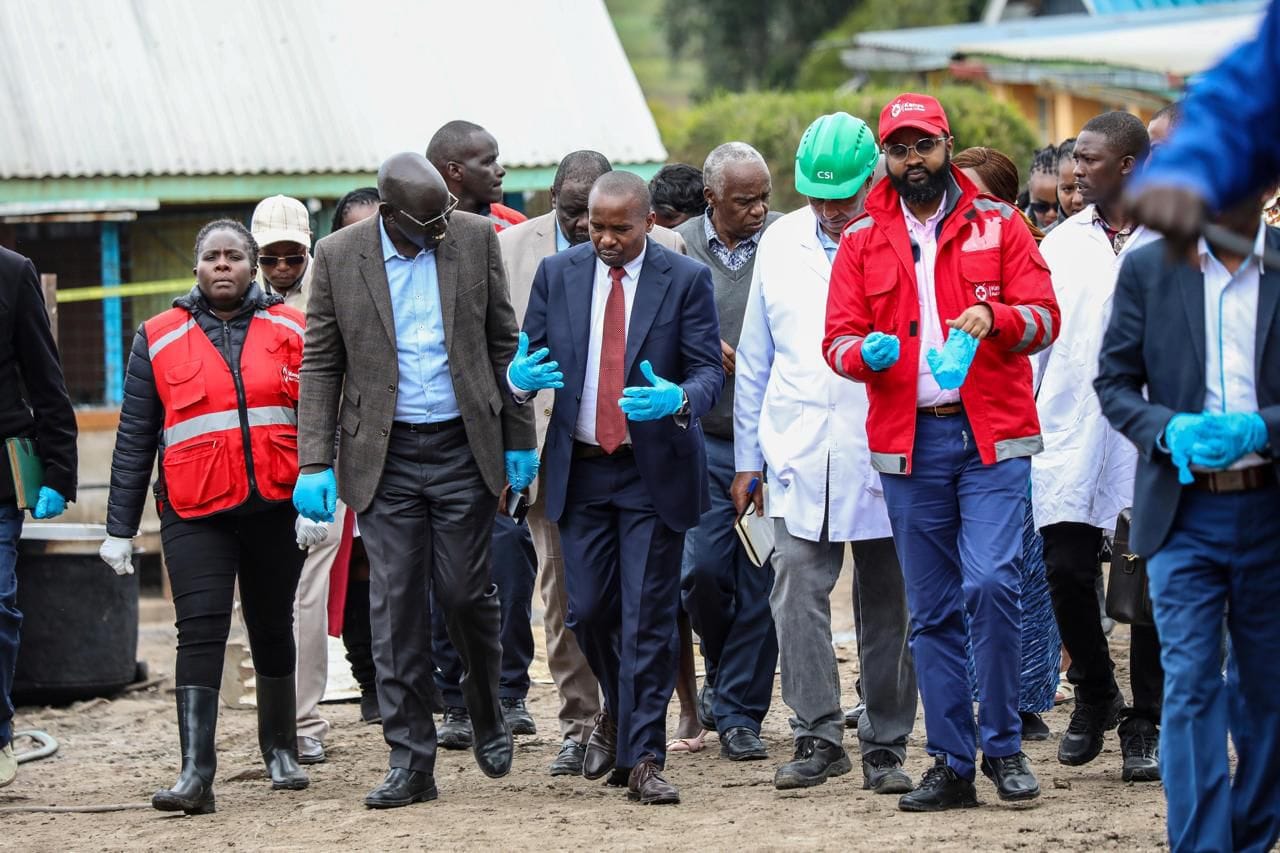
[523,248]
[410,330]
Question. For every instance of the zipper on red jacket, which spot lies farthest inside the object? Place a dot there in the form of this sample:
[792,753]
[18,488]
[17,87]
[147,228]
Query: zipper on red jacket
[241,403]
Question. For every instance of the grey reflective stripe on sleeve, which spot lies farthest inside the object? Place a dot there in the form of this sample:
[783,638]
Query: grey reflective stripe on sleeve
[837,350]
[988,204]
[1014,448]
[229,419]
[1046,320]
[169,337]
[889,463]
[279,321]
[858,225]
[1029,328]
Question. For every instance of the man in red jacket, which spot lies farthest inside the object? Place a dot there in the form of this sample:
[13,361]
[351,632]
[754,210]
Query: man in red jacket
[950,428]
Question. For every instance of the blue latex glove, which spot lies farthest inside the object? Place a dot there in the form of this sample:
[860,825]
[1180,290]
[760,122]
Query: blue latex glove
[880,351]
[315,496]
[49,504]
[658,401]
[1180,435]
[951,366]
[522,467]
[1225,437]
[529,372]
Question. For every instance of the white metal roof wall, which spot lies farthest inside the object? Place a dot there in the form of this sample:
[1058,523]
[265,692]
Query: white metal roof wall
[180,87]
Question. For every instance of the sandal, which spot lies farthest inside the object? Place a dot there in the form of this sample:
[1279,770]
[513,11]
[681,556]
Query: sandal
[687,744]
[1066,690]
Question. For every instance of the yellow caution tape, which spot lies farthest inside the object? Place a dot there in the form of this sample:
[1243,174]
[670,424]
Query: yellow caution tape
[141,288]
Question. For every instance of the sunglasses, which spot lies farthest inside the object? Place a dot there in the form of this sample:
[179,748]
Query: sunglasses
[923,147]
[1042,207]
[436,225]
[273,260]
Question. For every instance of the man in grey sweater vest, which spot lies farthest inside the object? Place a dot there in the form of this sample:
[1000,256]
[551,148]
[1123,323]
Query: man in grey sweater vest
[725,595]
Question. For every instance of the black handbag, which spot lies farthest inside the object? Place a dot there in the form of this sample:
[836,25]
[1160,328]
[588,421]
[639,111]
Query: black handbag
[1128,600]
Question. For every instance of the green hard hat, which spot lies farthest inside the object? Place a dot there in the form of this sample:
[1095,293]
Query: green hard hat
[836,156]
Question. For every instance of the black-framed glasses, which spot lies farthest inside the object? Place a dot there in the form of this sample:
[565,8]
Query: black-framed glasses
[1040,208]
[273,260]
[923,147]
[436,225]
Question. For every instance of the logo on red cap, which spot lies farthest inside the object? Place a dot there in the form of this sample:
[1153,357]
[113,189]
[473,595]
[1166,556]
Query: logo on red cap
[899,107]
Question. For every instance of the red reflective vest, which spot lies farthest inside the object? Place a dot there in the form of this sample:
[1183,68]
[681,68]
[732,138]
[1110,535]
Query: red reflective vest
[504,217]
[207,421]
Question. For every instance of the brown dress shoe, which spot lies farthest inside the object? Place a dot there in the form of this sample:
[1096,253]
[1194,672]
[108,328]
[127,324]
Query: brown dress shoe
[647,786]
[602,748]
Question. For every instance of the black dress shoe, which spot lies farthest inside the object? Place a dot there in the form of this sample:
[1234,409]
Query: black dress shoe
[1140,746]
[853,716]
[1033,726]
[518,718]
[882,772]
[454,731]
[569,761]
[939,789]
[815,762]
[706,699]
[402,787]
[602,748]
[741,744]
[646,786]
[1083,739]
[369,711]
[1013,777]
[618,777]
[494,754]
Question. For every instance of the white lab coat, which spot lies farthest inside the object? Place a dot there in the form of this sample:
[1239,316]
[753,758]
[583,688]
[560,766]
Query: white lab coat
[1085,473]
[791,411]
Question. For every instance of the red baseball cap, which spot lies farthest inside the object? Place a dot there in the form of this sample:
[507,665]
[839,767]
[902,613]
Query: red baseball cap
[911,110]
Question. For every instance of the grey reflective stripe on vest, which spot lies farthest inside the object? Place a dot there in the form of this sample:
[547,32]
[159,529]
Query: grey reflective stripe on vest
[169,337]
[1014,448]
[859,225]
[836,352]
[889,463]
[279,320]
[227,420]
[1029,313]
[988,204]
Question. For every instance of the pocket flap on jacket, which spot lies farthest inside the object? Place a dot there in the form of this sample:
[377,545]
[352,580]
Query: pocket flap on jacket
[176,374]
[980,267]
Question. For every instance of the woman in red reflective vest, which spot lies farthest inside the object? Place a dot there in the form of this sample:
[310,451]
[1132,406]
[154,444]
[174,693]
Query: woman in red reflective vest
[212,385]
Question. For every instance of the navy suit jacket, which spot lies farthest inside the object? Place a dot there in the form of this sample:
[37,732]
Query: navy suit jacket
[674,325]
[1156,340]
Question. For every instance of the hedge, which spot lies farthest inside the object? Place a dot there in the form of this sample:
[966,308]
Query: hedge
[774,121]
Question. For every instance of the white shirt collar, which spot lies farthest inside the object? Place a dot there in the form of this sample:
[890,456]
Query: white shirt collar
[1259,245]
[631,269]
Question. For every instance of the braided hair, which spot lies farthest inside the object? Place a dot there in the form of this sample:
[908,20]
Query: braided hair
[251,245]
[356,198]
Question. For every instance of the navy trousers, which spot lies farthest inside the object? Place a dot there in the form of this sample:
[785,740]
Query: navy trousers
[10,618]
[1222,557]
[727,599]
[622,580]
[957,525]
[513,566]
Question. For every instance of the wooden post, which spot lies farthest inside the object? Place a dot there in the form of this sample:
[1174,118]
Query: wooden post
[49,287]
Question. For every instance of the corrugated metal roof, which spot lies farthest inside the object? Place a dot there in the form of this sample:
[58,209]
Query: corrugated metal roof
[178,87]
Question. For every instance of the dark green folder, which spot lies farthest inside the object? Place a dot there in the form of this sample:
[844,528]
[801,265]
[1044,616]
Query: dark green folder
[27,470]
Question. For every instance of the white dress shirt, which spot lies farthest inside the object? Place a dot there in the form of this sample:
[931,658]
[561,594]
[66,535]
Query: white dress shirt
[1230,323]
[925,235]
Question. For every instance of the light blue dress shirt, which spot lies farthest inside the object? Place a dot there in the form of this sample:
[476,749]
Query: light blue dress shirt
[828,245]
[425,394]
[562,242]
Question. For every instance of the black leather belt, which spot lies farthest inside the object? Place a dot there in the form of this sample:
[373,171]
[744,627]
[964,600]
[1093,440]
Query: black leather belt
[946,410]
[437,426]
[582,450]
[1241,480]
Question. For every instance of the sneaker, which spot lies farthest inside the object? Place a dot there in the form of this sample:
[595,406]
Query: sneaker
[8,765]
[518,718]
[882,772]
[1083,739]
[1013,777]
[454,731]
[1140,746]
[1033,726]
[815,761]
[940,789]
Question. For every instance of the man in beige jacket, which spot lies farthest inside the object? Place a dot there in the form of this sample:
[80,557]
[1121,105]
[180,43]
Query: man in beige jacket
[523,248]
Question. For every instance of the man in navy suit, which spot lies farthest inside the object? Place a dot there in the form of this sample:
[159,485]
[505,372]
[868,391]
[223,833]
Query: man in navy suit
[1202,335]
[634,331]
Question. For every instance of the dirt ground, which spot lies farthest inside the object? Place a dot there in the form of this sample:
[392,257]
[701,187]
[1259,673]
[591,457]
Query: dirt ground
[120,751]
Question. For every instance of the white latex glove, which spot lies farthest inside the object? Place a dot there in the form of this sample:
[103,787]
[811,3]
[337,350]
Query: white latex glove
[118,554]
[310,532]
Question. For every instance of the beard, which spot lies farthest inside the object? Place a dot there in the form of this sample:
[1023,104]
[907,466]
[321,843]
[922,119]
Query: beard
[923,193]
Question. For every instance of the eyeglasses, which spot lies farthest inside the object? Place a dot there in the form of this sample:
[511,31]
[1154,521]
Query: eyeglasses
[289,260]
[436,225]
[923,147]
[1040,208]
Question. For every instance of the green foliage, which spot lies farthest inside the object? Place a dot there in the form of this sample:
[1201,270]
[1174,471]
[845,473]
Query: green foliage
[773,122]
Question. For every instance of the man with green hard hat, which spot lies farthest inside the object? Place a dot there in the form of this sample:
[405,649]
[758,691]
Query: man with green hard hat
[805,426]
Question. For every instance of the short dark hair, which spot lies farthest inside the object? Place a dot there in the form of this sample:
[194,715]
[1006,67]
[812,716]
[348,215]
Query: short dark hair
[583,166]
[1044,161]
[1125,133]
[356,198]
[1172,112]
[229,225]
[677,188]
[446,143]
[627,184]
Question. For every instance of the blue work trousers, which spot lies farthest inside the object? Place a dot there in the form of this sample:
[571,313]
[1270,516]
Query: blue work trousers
[10,618]
[957,525]
[1222,557]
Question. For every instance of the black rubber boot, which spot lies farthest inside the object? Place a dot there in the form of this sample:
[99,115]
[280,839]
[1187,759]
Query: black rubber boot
[278,732]
[197,722]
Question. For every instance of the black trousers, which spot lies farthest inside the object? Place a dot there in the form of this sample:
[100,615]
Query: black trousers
[205,556]
[428,529]
[1071,564]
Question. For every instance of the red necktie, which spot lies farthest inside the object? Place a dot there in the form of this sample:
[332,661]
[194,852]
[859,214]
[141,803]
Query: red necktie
[611,424]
